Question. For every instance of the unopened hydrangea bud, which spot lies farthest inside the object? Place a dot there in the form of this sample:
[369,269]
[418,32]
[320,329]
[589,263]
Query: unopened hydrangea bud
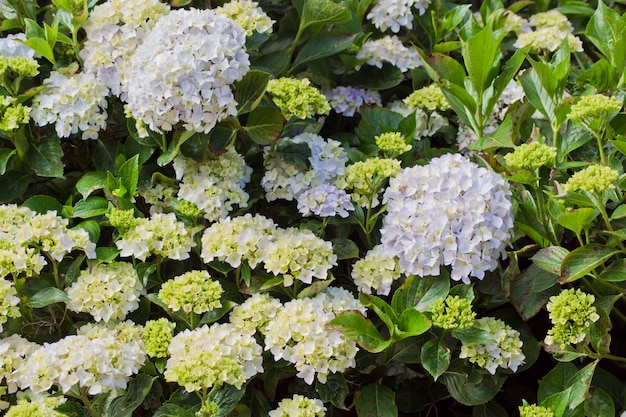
[429,98]
[122,220]
[208,409]
[299,406]
[24,67]
[14,116]
[531,156]
[453,312]
[157,335]
[392,143]
[533,410]
[571,313]
[189,209]
[504,352]
[592,111]
[366,178]
[297,98]
[193,291]
[594,179]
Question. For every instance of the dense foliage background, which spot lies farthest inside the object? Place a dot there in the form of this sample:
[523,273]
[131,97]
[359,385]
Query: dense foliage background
[308,208]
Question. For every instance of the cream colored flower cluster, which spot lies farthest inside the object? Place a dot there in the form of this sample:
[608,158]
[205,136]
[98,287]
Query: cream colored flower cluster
[193,291]
[551,29]
[248,15]
[299,406]
[376,270]
[9,301]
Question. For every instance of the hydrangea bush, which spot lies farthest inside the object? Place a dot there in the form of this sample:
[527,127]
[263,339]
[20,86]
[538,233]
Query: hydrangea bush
[312,208]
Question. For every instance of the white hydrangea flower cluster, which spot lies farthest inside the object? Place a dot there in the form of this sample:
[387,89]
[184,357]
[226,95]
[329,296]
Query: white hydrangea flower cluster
[512,93]
[214,186]
[325,200]
[505,352]
[106,291]
[11,46]
[99,357]
[14,353]
[232,240]
[551,29]
[193,291]
[113,31]
[377,270]
[248,15]
[255,313]
[396,14]
[24,234]
[297,254]
[161,235]
[9,301]
[299,334]
[299,406]
[286,181]
[389,49]
[159,196]
[211,356]
[73,103]
[449,212]
[348,100]
[183,71]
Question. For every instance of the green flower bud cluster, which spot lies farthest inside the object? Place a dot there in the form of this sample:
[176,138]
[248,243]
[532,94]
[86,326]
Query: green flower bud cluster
[595,106]
[122,220]
[189,209]
[392,143]
[13,116]
[571,313]
[531,156]
[429,98]
[208,409]
[366,177]
[533,410]
[157,335]
[21,66]
[595,179]
[193,291]
[297,98]
[453,312]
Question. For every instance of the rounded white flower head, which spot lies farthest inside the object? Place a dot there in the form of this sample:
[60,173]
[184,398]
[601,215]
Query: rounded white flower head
[182,72]
[389,49]
[449,212]
[299,406]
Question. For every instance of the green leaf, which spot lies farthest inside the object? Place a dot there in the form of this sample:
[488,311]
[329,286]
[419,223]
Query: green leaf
[250,90]
[123,406]
[90,182]
[538,96]
[373,78]
[344,248]
[323,13]
[473,335]
[129,176]
[217,313]
[381,308]
[615,273]
[42,47]
[376,400]
[5,155]
[335,390]
[583,260]
[74,409]
[323,46]
[577,220]
[500,138]
[45,158]
[104,254]
[419,293]
[315,288]
[47,296]
[264,125]
[580,384]
[557,402]
[555,381]
[470,392]
[411,323]
[355,326]
[599,404]
[91,207]
[481,54]
[377,120]
[435,357]
[13,185]
[531,290]
[173,410]
[619,212]
[550,259]
[226,397]
[42,204]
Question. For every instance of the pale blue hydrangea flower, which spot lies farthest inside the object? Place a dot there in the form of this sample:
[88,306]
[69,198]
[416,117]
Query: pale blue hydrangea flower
[11,47]
[325,201]
[348,100]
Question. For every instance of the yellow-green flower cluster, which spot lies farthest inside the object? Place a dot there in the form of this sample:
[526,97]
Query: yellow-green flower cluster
[211,356]
[571,313]
[255,313]
[208,409]
[366,178]
[193,291]
[453,312]
[157,335]
[297,98]
[38,406]
[248,15]
[392,143]
[551,29]
[533,410]
[595,179]
[504,352]
[592,111]
[21,66]
[531,156]
[14,116]
[122,220]
[106,291]
[9,301]
[189,209]
[299,406]
[377,269]
[428,98]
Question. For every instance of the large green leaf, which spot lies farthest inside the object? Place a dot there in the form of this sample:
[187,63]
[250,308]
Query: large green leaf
[531,290]
[47,296]
[355,326]
[550,259]
[599,404]
[583,260]
[226,397]
[91,207]
[376,400]
[123,406]
[264,125]
[577,220]
[90,182]
[471,391]
[335,390]
[420,293]
[411,323]
[5,155]
[481,54]
[250,90]
[323,46]
[435,357]
[45,158]
[317,13]
[129,176]
[42,204]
